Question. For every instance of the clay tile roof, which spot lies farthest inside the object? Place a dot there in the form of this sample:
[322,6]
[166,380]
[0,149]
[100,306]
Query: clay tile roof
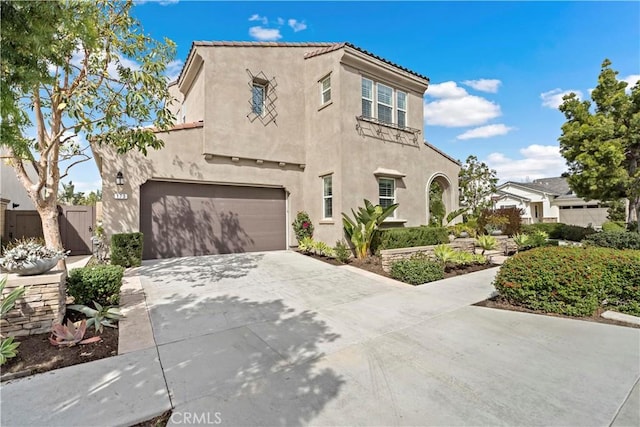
[336,46]
[322,48]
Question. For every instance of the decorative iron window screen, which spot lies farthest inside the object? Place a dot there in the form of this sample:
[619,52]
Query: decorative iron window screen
[263,98]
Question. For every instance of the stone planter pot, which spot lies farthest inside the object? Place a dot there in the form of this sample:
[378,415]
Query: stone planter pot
[39,266]
[496,233]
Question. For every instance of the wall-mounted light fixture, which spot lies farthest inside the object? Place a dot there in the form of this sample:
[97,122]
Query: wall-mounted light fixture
[119,179]
[15,205]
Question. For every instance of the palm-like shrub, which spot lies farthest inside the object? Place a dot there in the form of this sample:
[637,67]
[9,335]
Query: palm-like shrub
[361,229]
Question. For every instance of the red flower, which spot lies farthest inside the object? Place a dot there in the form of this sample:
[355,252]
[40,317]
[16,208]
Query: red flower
[305,224]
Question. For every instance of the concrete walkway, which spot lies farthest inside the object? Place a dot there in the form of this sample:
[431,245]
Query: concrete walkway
[281,339]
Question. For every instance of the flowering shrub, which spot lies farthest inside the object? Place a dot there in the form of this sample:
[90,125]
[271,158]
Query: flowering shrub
[572,280]
[302,226]
[27,251]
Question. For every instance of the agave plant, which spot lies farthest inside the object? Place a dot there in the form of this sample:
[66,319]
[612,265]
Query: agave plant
[487,242]
[8,348]
[361,229]
[100,316]
[70,335]
[444,253]
[306,245]
[521,240]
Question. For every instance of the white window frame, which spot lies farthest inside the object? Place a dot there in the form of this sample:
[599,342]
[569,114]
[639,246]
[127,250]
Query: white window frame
[393,198]
[326,197]
[404,110]
[324,91]
[375,103]
[379,103]
[263,106]
[370,100]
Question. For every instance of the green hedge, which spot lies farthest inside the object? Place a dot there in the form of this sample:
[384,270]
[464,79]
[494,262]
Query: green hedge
[126,249]
[572,280]
[558,230]
[409,237]
[553,229]
[417,271]
[100,283]
[614,239]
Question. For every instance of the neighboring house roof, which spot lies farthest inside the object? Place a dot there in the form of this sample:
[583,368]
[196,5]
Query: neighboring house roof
[321,48]
[545,186]
[505,194]
[558,185]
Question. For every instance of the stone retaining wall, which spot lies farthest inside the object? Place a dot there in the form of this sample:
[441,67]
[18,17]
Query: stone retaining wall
[389,256]
[42,303]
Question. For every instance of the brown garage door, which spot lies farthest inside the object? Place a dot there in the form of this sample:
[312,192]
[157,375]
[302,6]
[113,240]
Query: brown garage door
[180,219]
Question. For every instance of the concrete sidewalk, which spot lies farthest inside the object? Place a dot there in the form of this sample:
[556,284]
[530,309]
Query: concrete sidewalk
[116,391]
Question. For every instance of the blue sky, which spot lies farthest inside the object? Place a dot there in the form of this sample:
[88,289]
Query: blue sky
[498,70]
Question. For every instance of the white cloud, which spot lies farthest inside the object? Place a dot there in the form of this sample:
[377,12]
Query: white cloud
[167,2]
[297,25]
[553,98]
[460,112]
[173,69]
[446,90]
[486,131]
[280,21]
[265,34]
[631,80]
[456,108]
[256,17]
[538,161]
[484,85]
[112,68]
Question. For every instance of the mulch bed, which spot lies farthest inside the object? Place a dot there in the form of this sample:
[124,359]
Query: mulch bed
[159,421]
[500,303]
[36,354]
[374,265]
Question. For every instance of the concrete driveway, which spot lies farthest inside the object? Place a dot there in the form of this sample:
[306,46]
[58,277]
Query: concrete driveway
[278,338]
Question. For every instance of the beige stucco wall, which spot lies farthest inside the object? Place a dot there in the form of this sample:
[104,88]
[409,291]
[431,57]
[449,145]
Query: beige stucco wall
[180,160]
[11,188]
[306,139]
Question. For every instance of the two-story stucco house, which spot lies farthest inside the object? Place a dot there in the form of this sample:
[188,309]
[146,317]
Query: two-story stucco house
[269,129]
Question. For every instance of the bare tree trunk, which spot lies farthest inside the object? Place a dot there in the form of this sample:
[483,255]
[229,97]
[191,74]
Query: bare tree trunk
[51,228]
[634,211]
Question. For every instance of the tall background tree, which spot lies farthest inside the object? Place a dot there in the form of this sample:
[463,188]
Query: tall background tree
[72,72]
[602,144]
[477,182]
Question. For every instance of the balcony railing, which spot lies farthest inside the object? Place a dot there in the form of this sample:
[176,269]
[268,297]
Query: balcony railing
[383,129]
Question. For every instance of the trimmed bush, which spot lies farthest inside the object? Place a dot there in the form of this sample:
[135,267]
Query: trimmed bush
[126,249]
[394,238]
[614,239]
[614,226]
[417,270]
[575,233]
[572,280]
[553,229]
[100,283]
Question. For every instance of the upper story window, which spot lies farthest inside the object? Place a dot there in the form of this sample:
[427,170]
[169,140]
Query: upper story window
[367,98]
[325,90]
[258,98]
[401,102]
[327,197]
[384,103]
[387,193]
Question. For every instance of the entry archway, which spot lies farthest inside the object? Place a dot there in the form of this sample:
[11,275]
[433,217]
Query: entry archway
[439,185]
